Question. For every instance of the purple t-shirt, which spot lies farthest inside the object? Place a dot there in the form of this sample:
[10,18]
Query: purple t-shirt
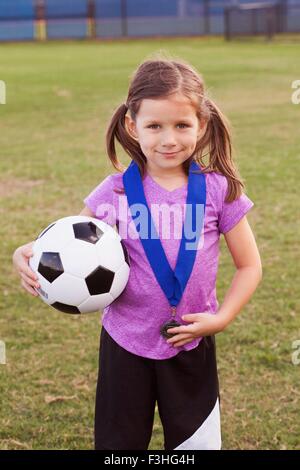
[134,319]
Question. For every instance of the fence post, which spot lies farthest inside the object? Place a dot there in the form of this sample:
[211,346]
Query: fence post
[270,14]
[282,15]
[91,18]
[206,4]
[226,23]
[124,17]
[41,26]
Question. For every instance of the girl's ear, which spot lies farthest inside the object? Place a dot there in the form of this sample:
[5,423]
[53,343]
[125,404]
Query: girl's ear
[130,127]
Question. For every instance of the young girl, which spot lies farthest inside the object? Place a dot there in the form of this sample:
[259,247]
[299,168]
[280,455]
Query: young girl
[157,339]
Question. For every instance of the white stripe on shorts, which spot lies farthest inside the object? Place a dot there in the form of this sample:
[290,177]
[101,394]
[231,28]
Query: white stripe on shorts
[208,436]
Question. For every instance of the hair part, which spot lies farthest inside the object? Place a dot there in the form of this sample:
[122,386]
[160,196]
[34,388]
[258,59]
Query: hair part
[160,77]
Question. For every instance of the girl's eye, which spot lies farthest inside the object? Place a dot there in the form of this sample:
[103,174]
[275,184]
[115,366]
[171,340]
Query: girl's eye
[183,124]
[155,126]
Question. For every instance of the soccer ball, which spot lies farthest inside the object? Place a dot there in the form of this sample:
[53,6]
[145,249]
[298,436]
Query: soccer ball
[81,263]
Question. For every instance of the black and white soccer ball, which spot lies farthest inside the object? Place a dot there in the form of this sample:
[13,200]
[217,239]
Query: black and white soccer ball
[81,263]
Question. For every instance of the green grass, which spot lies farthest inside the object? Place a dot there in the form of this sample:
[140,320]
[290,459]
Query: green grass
[59,99]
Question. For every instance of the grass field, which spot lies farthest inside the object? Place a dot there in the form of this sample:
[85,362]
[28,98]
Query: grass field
[59,100]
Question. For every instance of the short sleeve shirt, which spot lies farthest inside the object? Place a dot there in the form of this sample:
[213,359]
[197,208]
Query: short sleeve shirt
[134,319]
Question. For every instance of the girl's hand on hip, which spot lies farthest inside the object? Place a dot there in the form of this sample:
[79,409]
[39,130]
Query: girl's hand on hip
[201,324]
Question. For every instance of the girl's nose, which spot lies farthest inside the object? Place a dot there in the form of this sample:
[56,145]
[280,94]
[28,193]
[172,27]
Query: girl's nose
[168,139]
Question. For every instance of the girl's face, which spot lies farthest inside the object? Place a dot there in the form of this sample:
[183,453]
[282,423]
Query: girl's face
[167,130]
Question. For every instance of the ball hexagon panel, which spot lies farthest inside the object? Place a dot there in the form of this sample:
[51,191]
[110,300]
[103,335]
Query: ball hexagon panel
[95,303]
[87,232]
[125,252]
[44,290]
[105,227]
[50,266]
[66,308]
[45,230]
[69,290]
[37,251]
[100,281]
[121,278]
[82,265]
[59,236]
[110,254]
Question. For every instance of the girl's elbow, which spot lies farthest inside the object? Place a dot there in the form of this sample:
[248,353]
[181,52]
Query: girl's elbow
[257,266]
[255,270]
[259,270]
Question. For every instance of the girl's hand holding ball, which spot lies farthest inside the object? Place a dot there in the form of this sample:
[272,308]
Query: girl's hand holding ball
[29,279]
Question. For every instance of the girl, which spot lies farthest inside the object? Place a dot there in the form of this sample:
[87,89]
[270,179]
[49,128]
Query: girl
[157,339]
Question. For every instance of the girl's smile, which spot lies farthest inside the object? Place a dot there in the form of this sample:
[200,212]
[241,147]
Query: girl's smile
[169,155]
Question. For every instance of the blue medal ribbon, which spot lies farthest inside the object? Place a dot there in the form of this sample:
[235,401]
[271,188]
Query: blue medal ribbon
[172,282]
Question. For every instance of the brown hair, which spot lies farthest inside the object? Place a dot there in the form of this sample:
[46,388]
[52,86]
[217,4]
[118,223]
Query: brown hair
[160,77]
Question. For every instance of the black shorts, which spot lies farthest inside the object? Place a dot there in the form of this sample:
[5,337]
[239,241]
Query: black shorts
[185,388]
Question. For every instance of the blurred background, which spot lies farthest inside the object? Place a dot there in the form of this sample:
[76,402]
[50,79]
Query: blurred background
[53,19]
[64,67]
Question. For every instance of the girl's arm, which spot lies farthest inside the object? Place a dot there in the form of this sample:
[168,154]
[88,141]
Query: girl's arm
[87,211]
[242,246]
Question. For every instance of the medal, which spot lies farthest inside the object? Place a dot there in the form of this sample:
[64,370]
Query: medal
[169,324]
[166,326]
[171,282]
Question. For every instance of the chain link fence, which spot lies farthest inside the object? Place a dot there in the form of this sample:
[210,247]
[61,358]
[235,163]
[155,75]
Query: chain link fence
[79,19]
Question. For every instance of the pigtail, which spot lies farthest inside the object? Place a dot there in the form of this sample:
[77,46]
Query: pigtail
[217,140]
[117,130]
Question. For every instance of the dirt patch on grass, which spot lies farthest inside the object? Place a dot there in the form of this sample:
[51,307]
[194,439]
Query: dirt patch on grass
[10,187]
